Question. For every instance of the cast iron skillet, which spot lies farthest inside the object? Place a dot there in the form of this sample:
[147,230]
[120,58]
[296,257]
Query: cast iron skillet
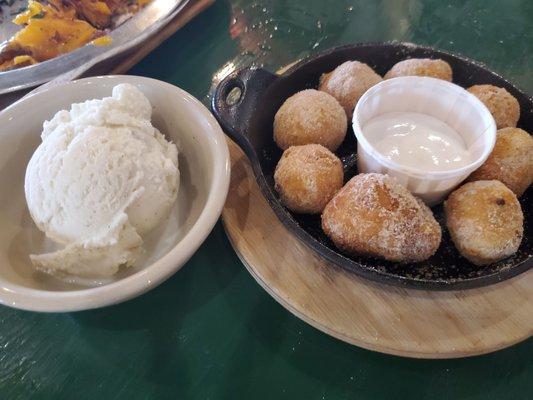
[248,117]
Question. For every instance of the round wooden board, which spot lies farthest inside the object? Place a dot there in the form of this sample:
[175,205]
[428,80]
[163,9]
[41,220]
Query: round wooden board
[410,323]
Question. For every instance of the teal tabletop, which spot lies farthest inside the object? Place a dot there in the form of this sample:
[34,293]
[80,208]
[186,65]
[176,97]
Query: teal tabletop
[210,331]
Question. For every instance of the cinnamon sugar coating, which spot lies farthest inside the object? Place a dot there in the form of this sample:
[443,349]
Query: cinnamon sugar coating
[485,221]
[310,116]
[374,215]
[307,177]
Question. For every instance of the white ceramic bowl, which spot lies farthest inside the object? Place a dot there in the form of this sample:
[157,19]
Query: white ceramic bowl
[441,99]
[204,168]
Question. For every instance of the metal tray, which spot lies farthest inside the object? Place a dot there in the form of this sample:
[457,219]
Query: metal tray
[126,36]
[248,120]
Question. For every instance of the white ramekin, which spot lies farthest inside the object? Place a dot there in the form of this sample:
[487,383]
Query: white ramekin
[204,181]
[441,99]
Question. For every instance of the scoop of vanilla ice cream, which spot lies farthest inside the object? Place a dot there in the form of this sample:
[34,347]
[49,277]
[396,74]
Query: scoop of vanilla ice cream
[102,177]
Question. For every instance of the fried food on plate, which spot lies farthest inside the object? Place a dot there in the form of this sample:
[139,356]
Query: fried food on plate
[307,177]
[485,221]
[375,215]
[348,82]
[309,117]
[54,27]
[511,161]
[438,68]
[501,104]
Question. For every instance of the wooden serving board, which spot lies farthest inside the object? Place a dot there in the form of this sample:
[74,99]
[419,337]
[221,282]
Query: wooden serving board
[411,323]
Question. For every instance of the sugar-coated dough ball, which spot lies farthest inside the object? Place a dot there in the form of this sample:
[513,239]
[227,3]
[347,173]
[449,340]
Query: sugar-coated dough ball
[501,104]
[348,82]
[307,177]
[374,215]
[485,221]
[310,116]
[511,161]
[438,68]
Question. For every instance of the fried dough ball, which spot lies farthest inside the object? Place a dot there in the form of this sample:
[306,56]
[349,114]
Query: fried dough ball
[307,177]
[348,82]
[501,104]
[374,215]
[485,221]
[439,69]
[308,117]
[511,161]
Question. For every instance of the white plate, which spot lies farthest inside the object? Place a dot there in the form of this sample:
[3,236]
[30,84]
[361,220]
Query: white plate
[204,168]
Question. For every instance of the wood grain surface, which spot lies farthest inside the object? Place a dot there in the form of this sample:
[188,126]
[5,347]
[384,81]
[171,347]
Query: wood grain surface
[411,323]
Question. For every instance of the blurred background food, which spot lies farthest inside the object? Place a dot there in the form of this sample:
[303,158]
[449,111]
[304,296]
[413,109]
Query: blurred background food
[54,27]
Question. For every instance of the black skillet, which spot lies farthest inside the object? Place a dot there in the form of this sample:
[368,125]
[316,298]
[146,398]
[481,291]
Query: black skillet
[245,103]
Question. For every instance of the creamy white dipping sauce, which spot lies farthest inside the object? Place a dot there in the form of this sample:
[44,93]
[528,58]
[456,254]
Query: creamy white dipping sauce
[417,140]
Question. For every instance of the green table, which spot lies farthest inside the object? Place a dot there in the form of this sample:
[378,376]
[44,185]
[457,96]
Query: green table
[210,331]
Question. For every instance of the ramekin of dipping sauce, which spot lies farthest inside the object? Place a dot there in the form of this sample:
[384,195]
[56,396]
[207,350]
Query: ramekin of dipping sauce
[428,133]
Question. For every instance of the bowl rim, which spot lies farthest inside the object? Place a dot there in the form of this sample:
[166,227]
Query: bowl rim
[17,296]
[419,172]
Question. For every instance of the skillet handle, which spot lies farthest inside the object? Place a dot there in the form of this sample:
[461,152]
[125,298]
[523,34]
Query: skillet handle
[235,100]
